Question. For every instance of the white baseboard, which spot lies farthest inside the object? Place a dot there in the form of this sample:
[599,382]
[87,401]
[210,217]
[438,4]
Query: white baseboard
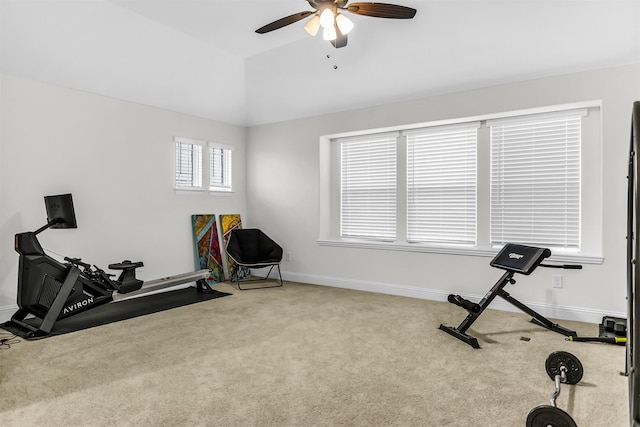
[547,310]
[551,311]
[6,312]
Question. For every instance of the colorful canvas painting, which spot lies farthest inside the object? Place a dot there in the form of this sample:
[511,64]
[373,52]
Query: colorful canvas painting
[229,222]
[207,246]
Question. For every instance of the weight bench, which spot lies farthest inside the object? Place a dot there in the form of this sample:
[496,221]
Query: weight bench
[514,259]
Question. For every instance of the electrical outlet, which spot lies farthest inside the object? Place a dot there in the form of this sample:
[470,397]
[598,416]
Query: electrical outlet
[288,256]
[556,281]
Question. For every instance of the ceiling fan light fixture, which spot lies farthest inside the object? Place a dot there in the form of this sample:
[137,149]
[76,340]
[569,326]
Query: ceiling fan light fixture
[344,24]
[326,18]
[336,26]
[329,33]
[313,25]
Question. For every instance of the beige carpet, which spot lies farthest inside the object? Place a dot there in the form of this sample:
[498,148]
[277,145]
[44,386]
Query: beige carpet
[305,355]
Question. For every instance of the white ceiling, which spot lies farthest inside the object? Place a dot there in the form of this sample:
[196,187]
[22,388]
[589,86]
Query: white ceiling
[202,57]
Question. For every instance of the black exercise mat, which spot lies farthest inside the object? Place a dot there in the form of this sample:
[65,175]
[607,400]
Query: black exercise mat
[116,311]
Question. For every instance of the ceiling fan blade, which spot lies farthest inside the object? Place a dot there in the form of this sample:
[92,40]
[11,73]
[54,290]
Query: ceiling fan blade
[382,10]
[283,22]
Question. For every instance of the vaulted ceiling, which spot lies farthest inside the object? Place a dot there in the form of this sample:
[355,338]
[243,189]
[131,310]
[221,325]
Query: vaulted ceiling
[202,57]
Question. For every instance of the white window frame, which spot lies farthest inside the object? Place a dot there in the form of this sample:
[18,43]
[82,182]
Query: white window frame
[189,169]
[220,167]
[442,184]
[537,203]
[591,209]
[202,172]
[368,187]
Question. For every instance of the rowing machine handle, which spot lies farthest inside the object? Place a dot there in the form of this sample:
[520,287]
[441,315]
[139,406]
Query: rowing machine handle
[464,303]
[77,262]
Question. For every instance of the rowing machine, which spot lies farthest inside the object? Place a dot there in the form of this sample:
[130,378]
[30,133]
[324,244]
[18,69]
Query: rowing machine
[514,259]
[49,290]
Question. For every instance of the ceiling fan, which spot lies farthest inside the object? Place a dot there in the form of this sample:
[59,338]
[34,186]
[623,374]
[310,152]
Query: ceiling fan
[327,14]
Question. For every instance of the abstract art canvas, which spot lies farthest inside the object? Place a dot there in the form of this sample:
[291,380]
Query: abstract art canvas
[229,222]
[207,246]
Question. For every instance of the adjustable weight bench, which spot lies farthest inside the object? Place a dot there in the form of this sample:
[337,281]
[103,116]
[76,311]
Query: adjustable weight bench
[514,259]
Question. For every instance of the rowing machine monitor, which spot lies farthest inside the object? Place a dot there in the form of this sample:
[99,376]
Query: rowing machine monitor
[60,210]
[514,259]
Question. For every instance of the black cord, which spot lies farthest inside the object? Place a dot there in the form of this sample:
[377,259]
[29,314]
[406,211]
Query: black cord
[6,340]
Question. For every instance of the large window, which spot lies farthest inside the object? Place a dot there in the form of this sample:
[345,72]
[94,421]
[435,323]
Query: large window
[190,170]
[469,186]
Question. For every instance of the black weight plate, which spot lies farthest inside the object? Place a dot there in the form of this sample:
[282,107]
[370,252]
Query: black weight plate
[549,416]
[557,360]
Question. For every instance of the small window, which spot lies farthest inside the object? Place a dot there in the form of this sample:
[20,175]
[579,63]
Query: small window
[188,164]
[220,167]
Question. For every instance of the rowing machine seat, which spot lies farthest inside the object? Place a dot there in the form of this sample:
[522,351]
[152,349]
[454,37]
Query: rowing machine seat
[127,281]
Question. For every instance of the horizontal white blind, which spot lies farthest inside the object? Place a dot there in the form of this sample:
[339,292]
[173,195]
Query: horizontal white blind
[441,184]
[368,186]
[535,180]
[219,167]
[188,164]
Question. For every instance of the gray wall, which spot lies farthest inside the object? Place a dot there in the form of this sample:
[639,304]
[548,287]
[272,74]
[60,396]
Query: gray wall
[117,159]
[283,198]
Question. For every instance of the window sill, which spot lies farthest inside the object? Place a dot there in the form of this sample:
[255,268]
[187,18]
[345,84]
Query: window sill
[189,190]
[221,192]
[450,250]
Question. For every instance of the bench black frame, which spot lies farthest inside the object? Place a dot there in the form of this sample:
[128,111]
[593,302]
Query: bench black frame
[514,259]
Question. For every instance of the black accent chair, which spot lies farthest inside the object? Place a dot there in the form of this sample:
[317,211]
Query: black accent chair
[251,248]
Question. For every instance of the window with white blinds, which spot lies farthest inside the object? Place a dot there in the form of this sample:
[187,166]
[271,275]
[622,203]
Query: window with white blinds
[220,167]
[469,185]
[441,184]
[368,186]
[188,164]
[535,180]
